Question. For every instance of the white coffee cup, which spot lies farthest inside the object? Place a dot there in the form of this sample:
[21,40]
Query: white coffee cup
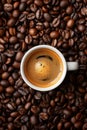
[68,66]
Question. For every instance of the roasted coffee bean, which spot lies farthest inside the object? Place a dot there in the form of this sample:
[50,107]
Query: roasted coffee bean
[2,41]
[85,97]
[11,80]
[33,31]
[1,48]
[71,42]
[70,23]
[84,11]
[14,114]
[73,119]
[20,36]
[46,1]
[33,7]
[44,8]
[38,2]
[16,4]
[19,56]
[54,42]
[24,127]
[84,126]
[15,75]
[81,28]
[10,90]
[69,10]
[27,105]
[15,13]
[10,126]
[11,22]
[37,96]
[28,39]
[34,109]
[31,16]
[8,7]
[22,6]
[33,120]
[4,67]
[47,17]
[1,32]
[43,116]
[1,89]
[82,46]
[67,113]
[22,17]
[12,31]
[54,34]
[16,65]
[10,107]
[46,38]
[64,3]
[56,22]
[4,83]
[5,75]
[78,124]
[13,39]
[39,14]
[59,126]
[52,103]
[22,29]
[67,125]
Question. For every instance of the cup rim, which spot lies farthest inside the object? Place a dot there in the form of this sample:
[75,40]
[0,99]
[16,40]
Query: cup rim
[43,88]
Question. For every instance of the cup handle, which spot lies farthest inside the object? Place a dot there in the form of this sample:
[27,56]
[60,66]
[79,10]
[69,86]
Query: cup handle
[72,65]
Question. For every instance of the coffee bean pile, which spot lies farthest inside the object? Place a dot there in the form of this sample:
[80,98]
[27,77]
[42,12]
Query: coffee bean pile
[58,23]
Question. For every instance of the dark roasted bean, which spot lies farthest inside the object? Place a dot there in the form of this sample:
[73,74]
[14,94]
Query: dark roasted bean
[24,127]
[7,7]
[16,65]
[15,13]
[69,10]
[19,56]
[47,17]
[78,124]
[81,28]
[10,90]
[43,116]
[10,126]
[11,22]
[70,23]
[13,40]
[1,48]
[59,126]
[54,34]
[5,75]
[56,22]
[27,105]
[33,31]
[39,14]
[1,89]
[64,3]
[31,16]
[22,6]
[34,109]
[33,120]
[38,2]
[4,83]
[84,126]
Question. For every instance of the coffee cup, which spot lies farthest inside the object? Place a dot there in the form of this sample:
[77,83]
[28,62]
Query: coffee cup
[44,67]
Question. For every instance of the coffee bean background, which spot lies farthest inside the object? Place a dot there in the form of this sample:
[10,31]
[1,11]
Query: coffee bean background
[27,23]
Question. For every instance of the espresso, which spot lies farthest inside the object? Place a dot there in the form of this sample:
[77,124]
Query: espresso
[43,68]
